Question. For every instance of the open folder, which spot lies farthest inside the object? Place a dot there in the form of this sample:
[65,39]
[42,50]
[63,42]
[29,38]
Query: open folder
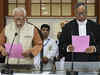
[15,51]
[80,43]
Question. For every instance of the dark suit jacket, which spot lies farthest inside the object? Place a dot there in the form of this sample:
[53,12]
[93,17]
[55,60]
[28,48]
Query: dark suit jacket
[71,28]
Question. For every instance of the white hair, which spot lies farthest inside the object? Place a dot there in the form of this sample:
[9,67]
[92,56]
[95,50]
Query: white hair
[19,9]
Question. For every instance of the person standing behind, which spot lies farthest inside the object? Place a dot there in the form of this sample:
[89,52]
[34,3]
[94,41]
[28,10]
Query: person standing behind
[50,47]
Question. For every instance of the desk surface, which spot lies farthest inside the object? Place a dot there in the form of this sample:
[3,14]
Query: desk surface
[83,66]
[67,66]
[44,73]
[79,56]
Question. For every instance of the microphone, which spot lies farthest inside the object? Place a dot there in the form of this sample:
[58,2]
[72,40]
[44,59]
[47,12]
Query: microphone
[10,49]
[16,34]
[72,53]
[7,70]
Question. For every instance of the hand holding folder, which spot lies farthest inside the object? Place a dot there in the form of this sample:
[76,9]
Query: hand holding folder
[15,52]
[80,43]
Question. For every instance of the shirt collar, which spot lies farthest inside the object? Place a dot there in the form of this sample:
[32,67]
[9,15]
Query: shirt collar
[82,23]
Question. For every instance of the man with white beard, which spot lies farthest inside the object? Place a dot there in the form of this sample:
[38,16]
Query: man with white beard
[27,35]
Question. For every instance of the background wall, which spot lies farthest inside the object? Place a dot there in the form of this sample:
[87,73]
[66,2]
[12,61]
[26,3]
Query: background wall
[4,12]
[53,22]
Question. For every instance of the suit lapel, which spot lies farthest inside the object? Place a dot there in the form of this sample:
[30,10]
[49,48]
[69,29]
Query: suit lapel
[87,28]
[75,28]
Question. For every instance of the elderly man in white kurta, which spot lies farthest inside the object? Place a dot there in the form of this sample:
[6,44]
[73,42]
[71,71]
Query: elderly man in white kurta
[28,37]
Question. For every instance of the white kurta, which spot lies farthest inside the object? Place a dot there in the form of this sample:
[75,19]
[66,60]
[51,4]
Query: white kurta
[24,37]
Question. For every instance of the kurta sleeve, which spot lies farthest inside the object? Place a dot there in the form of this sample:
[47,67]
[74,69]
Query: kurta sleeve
[37,43]
[2,39]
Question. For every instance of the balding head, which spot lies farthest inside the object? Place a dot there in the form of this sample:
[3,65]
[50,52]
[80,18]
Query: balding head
[81,9]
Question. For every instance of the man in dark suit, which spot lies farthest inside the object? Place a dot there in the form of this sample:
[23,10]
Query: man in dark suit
[79,26]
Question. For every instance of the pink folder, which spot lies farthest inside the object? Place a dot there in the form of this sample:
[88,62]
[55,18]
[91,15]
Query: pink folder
[16,51]
[80,43]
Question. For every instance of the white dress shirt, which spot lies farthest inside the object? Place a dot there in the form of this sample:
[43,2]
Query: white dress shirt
[50,48]
[82,27]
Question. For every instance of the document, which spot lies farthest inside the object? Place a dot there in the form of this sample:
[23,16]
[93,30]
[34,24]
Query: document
[15,51]
[80,43]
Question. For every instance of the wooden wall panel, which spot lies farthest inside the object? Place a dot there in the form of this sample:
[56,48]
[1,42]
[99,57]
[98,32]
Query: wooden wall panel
[3,12]
[98,11]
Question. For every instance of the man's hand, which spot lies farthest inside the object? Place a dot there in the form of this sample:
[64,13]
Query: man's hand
[70,48]
[3,51]
[45,60]
[26,53]
[91,49]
